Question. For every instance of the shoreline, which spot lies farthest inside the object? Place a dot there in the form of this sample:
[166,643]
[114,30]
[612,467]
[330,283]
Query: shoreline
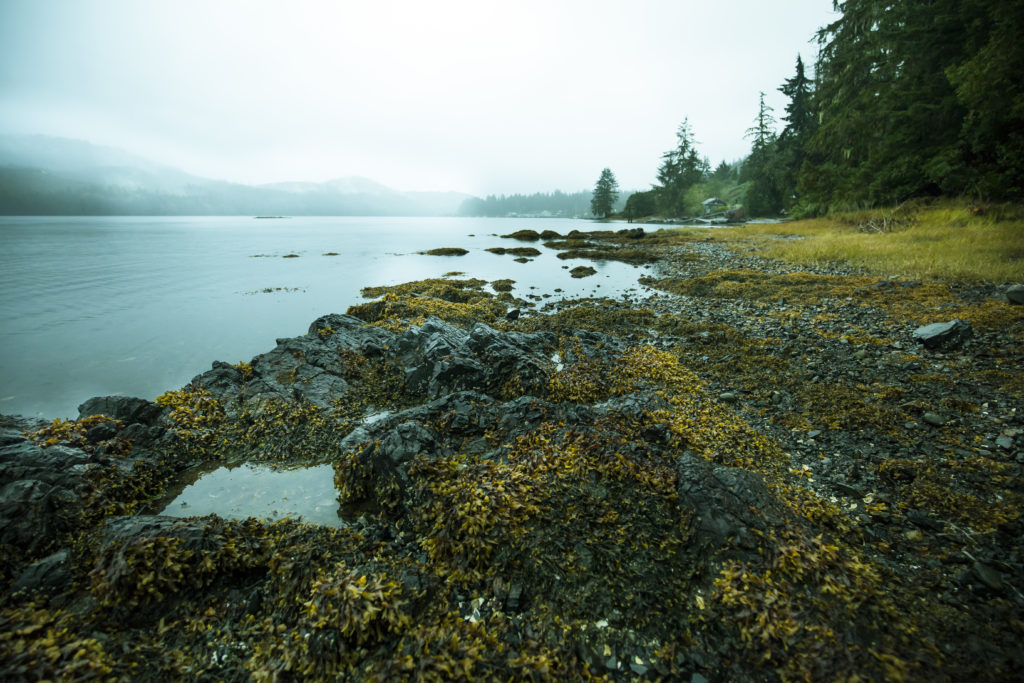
[756,473]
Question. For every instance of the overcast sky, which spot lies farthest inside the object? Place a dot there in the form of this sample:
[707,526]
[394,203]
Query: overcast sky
[476,96]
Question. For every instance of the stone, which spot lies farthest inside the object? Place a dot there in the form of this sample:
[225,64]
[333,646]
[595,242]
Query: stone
[1004,442]
[933,419]
[988,576]
[728,397]
[50,575]
[127,409]
[1015,295]
[949,335]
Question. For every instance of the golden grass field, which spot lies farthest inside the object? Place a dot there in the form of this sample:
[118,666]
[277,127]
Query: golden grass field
[951,241]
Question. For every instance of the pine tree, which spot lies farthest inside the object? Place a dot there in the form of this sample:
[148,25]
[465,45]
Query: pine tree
[799,120]
[760,169]
[889,118]
[681,168]
[606,192]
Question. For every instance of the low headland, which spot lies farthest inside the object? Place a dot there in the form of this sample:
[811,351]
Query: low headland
[788,464]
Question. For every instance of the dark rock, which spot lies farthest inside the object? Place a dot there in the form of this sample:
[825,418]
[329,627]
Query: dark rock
[1015,294]
[127,409]
[50,575]
[988,576]
[443,358]
[728,502]
[944,335]
[405,441]
[933,419]
[512,315]
[101,432]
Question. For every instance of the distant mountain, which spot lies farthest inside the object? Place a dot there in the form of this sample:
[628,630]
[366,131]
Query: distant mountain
[42,175]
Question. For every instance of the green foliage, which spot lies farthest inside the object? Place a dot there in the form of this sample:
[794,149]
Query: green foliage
[557,203]
[916,100]
[764,196]
[681,168]
[641,204]
[606,192]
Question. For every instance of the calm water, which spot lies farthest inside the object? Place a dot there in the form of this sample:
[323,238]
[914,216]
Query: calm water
[261,492]
[95,306]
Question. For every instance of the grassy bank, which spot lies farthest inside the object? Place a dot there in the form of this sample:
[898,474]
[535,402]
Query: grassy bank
[948,241]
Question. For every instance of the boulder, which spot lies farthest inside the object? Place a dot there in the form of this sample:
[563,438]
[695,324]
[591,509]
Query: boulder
[948,335]
[127,409]
[1015,295]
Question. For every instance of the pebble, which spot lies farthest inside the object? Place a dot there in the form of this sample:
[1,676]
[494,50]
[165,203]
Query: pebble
[728,397]
[933,419]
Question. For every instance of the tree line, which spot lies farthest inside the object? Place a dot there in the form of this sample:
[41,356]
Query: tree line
[555,204]
[909,98]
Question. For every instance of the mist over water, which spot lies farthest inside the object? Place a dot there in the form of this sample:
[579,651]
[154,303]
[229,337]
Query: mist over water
[95,306]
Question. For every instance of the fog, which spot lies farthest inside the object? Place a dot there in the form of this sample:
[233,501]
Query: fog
[476,96]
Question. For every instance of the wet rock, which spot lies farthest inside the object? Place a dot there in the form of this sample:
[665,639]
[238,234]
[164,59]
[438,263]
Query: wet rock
[443,358]
[933,419]
[988,576]
[127,409]
[949,335]
[728,502]
[405,441]
[50,575]
[1015,294]
[101,432]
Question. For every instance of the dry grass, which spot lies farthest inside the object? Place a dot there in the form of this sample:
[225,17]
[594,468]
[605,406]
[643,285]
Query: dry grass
[950,241]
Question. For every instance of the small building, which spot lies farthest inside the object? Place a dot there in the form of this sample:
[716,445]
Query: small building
[713,205]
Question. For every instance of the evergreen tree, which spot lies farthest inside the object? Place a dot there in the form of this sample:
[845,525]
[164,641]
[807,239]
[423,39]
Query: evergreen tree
[681,168]
[799,120]
[760,170]
[606,192]
[917,98]
[640,204]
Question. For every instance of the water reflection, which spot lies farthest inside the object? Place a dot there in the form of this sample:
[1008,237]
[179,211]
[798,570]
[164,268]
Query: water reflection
[262,492]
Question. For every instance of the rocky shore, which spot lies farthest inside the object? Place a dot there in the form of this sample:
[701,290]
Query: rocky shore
[761,472]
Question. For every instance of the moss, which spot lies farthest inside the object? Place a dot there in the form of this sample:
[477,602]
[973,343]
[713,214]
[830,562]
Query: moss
[634,256]
[524,235]
[569,244]
[403,311]
[74,433]
[502,285]
[445,251]
[582,271]
[38,643]
[245,369]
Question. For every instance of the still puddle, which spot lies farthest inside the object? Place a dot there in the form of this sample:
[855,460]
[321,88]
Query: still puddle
[262,492]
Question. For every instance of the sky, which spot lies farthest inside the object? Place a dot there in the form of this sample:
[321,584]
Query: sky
[473,96]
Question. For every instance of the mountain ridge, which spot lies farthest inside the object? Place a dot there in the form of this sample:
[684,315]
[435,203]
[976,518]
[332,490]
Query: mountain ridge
[43,175]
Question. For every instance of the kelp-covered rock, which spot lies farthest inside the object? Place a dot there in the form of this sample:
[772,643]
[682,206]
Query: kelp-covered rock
[549,497]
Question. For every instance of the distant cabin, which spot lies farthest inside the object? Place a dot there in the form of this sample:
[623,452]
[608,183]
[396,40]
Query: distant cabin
[713,205]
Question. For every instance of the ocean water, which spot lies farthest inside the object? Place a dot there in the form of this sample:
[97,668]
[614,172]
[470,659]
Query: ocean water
[94,306]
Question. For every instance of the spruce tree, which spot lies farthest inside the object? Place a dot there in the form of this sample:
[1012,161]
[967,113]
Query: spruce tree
[799,118]
[760,170]
[681,168]
[606,192]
